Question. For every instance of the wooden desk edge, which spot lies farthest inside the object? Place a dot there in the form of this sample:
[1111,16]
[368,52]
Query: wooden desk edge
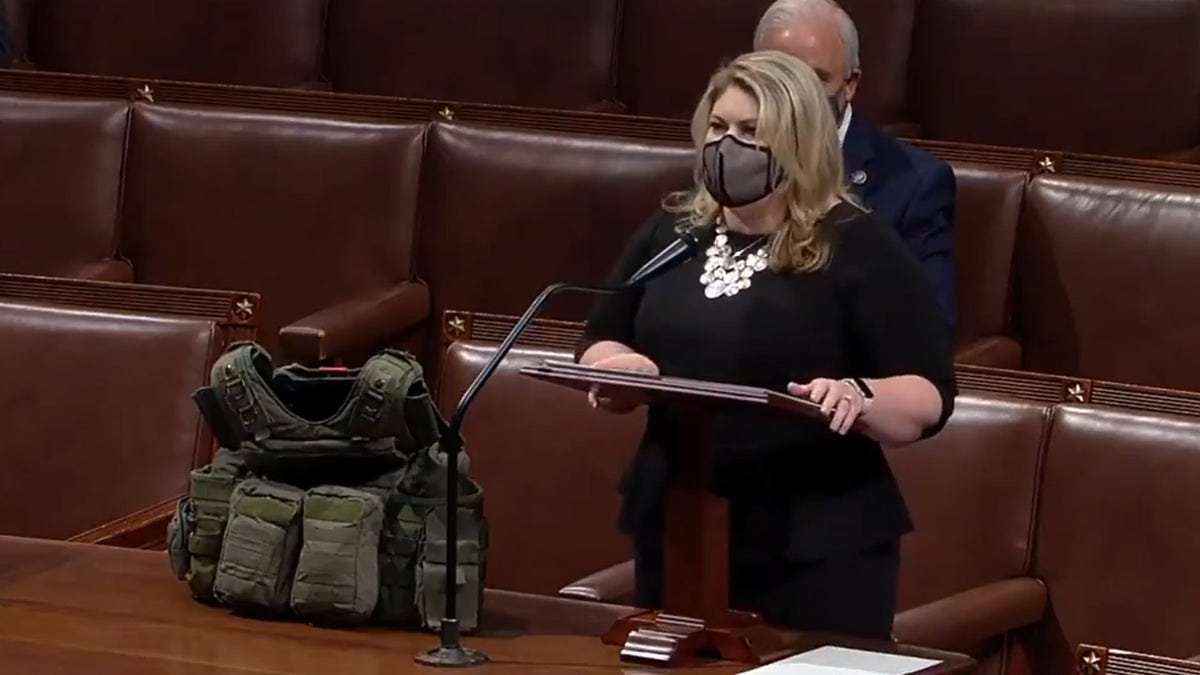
[145,529]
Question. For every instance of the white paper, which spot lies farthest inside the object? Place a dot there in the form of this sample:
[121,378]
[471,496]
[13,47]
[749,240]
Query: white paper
[842,661]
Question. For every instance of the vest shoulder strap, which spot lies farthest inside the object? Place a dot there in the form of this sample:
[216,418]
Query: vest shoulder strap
[392,399]
[238,383]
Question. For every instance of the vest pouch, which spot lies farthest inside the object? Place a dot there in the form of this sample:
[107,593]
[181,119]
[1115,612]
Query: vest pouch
[398,548]
[431,573]
[337,575]
[178,532]
[258,553]
[212,489]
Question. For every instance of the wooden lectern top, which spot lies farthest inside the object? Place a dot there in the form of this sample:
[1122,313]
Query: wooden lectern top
[678,391]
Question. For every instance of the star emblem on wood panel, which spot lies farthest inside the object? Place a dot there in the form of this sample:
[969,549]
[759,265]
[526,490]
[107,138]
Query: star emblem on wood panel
[243,309]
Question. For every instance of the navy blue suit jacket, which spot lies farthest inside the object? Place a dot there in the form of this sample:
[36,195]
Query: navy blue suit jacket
[912,191]
[4,49]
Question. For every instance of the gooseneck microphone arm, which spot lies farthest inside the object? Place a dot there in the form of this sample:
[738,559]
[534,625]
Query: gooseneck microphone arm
[509,340]
[451,653]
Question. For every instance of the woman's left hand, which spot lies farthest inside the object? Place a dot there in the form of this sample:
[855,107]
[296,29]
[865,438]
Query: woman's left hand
[840,401]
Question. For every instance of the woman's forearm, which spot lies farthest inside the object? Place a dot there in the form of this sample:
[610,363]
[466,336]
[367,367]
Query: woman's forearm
[603,350]
[902,408]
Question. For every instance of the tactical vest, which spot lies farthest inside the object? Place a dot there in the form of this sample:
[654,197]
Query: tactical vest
[326,500]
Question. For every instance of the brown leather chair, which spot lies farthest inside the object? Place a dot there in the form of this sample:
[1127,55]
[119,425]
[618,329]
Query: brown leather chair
[62,185]
[985,229]
[1043,74]
[316,214]
[273,43]
[1114,535]
[1105,280]
[99,424]
[539,53]
[504,212]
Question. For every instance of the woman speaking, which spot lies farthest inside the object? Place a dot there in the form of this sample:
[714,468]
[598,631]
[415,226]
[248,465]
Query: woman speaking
[801,290]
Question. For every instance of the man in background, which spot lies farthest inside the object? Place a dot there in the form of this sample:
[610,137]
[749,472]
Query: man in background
[902,186]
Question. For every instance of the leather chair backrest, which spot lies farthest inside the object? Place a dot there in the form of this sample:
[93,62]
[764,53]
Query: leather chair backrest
[505,212]
[306,211]
[274,43]
[660,76]
[985,231]
[1106,280]
[538,53]
[97,413]
[1116,544]
[885,39]
[62,181]
[549,466]
[971,492]
[1117,77]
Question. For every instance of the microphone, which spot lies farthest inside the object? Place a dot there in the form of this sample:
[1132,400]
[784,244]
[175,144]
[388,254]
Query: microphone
[451,653]
[677,252]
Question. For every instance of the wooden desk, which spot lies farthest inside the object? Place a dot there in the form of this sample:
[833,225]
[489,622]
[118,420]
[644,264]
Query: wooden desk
[81,608]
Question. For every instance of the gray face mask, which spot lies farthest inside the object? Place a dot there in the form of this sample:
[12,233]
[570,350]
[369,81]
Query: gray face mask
[737,173]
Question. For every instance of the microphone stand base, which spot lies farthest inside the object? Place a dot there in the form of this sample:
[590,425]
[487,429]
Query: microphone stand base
[452,657]
[451,654]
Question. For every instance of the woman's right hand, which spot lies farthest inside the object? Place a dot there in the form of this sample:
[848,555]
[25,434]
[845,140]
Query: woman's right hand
[616,400]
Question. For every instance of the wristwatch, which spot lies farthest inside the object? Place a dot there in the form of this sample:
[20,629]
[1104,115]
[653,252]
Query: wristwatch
[861,385]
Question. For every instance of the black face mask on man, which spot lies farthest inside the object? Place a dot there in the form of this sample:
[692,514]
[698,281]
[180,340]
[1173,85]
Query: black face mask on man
[737,173]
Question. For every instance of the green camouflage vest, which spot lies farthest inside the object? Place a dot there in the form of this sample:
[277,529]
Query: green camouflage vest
[325,501]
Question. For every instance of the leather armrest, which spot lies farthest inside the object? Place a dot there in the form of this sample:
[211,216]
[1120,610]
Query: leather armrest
[613,585]
[997,351]
[967,621]
[106,270]
[356,323]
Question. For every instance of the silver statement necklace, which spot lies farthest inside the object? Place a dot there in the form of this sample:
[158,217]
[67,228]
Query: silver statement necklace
[726,272]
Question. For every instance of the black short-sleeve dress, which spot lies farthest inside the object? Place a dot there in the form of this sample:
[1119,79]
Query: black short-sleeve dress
[815,517]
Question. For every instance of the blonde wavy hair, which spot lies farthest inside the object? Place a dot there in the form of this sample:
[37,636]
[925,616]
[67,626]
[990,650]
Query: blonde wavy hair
[796,122]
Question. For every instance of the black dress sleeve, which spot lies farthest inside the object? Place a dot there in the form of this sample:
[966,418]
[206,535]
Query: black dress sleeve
[891,309]
[613,314]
